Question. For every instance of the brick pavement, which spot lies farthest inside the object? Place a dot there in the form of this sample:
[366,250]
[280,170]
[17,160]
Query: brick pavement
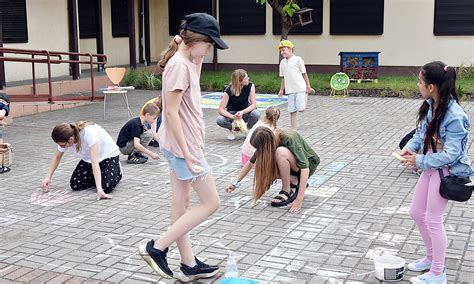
[356,207]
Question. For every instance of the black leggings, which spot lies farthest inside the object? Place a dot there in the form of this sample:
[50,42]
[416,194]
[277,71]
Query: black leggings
[83,176]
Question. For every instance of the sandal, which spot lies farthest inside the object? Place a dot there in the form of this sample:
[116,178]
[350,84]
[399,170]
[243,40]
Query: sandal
[290,197]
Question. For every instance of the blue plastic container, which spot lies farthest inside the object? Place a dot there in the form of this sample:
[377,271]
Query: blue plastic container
[238,280]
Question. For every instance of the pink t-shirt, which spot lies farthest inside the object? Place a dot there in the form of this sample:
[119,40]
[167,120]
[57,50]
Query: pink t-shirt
[181,74]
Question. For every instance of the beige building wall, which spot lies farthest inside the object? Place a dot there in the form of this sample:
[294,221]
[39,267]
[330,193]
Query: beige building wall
[407,40]
[160,38]
[116,48]
[47,23]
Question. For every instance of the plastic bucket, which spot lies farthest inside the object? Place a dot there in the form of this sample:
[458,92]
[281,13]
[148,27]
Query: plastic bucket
[389,267]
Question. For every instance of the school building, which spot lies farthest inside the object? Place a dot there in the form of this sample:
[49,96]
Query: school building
[407,33]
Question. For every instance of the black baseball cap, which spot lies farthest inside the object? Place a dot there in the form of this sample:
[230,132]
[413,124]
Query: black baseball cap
[207,25]
[4,97]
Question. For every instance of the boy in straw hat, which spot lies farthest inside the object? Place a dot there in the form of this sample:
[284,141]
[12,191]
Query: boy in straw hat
[295,81]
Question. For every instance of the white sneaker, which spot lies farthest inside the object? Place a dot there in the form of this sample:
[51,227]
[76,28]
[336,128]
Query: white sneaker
[429,278]
[230,136]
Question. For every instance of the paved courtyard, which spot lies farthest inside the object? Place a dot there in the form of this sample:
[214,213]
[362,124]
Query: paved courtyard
[355,208]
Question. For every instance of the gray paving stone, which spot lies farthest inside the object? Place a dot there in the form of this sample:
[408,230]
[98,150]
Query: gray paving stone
[359,209]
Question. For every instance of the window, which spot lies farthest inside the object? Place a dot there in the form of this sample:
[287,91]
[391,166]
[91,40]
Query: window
[13,17]
[315,28]
[454,17]
[177,9]
[241,17]
[362,17]
[119,9]
[87,18]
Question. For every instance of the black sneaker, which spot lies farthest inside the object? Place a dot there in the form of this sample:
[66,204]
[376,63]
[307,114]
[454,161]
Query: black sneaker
[201,270]
[140,154]
[136,158]
[156,259]
[154,143]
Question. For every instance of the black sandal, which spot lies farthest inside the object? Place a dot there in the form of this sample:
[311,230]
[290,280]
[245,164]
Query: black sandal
[290,197]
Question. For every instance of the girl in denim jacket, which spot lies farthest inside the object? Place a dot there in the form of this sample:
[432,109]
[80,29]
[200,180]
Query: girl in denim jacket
[441,122]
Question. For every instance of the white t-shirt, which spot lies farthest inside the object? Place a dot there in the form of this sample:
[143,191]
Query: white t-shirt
[91,135]
[291,70]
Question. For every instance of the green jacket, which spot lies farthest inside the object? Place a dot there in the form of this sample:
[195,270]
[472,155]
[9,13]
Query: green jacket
[305,156]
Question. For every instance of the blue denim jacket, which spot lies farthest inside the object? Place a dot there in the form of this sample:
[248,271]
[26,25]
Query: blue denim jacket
[453,134]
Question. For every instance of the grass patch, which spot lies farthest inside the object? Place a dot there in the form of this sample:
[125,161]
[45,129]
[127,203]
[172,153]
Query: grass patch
[269,82]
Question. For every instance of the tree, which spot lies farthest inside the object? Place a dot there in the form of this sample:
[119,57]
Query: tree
[285,12]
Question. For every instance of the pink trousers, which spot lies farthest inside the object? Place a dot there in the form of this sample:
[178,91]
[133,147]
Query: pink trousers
[427,210]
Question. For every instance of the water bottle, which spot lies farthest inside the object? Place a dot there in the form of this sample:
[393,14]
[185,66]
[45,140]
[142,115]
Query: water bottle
[231,270]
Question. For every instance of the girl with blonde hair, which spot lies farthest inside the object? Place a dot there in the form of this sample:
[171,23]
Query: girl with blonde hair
[270,119]
[99,165]
[281,155]
[239,101]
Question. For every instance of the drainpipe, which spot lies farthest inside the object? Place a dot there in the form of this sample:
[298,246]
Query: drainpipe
[214,58]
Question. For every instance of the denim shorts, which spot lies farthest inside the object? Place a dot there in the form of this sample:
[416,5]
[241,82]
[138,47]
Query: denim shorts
[178,165]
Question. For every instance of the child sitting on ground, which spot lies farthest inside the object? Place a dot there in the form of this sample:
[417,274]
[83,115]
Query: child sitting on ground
[133,138]
[270,119]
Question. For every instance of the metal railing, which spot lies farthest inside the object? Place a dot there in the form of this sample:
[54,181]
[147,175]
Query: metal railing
[49,58]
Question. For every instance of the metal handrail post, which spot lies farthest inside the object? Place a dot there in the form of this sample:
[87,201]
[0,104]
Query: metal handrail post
[34,77]
[92,77]
[50,85]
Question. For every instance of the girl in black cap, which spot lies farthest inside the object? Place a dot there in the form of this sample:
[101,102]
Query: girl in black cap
[181,139]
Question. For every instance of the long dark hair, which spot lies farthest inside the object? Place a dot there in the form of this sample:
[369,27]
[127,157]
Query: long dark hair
[266,170]
[444,78]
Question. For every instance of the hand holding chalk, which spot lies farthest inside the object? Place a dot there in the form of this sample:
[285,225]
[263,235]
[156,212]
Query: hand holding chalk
[397,156]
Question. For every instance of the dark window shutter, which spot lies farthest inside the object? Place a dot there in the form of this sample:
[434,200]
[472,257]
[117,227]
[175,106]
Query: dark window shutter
[14,21]
[87,20]
[119,9]
[361,17]
[241,17]
[454,17]
[177,9]
[315,28]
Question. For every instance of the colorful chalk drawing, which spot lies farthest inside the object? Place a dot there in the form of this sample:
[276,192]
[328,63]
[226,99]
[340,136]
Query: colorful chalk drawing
[264,101]
[52,198]
[336,166]
[318,179]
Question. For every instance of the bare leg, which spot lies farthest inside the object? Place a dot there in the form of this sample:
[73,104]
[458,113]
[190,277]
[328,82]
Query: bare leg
[293,119]
[285,161]
[208,203]
[179,206]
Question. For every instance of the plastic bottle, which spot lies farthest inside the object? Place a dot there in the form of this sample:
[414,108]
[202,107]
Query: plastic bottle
[231,270]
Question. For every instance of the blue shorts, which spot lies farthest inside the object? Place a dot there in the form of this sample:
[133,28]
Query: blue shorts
[178,165]
[297,101]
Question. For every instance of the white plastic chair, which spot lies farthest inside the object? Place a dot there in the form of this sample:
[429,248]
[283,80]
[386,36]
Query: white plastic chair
[115,75]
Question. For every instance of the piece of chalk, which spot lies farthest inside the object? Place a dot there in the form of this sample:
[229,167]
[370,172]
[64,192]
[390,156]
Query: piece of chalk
[397,156]
[198,168]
